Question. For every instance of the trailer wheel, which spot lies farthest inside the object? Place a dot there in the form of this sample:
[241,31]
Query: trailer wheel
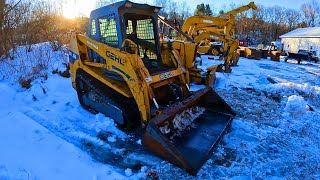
[299,61]
[315,60]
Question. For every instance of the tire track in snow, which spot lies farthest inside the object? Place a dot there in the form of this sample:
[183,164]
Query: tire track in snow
[122,153]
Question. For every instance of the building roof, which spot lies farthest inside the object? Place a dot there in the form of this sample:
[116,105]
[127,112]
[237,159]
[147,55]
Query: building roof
[309,32]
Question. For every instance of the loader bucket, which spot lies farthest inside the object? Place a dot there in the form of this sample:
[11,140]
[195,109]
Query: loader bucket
[191,148]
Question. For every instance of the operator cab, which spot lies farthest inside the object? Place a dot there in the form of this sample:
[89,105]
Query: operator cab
[114,23]
[141,30]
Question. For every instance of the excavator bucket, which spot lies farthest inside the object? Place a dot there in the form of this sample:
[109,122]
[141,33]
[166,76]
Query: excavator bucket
[189,144]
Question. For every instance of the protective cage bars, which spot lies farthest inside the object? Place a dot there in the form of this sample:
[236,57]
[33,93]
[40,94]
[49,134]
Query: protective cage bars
[145,32]
[108,30]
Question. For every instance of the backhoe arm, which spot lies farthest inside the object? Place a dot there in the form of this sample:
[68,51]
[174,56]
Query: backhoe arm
[241,9]
[194,23]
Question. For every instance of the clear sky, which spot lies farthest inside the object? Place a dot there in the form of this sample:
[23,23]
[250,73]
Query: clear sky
[75,7]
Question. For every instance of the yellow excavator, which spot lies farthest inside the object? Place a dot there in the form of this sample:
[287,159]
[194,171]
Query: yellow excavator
[221,28]
[120,68]
[223,23]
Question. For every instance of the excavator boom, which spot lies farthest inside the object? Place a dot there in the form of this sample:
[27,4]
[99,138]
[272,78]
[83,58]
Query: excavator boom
[241,9]
[204,29]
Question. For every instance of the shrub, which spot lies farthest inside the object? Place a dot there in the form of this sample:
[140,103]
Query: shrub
[25,83]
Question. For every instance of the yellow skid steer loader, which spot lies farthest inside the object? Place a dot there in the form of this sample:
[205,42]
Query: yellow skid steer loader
[120,68]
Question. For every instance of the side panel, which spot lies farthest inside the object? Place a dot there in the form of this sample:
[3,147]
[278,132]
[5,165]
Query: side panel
[119,62]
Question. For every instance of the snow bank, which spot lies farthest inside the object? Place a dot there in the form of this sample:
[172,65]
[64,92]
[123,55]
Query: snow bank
[31,65]
[311,94]
[285,88]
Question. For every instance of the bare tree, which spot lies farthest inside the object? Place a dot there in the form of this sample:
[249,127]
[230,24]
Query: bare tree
[311,12]
[270,23]
[293,18]
[11,15]
[183,10]
[164,4]
[172,10]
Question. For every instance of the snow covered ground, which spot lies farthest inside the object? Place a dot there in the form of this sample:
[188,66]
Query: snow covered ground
[45,134]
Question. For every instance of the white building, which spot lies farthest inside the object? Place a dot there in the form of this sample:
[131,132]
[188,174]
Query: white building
[302,38]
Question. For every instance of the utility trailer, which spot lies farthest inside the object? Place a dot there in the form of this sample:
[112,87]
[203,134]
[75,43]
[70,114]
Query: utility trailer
[302,55]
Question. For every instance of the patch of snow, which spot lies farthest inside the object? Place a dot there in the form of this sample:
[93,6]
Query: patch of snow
[104,123]
[144,169]
[296,105]
[31,151]
[208,61]
[53,105]
[196,87]
[139,142]
[165,129]
[183,121]
[128,172]
[112,139]
[290,87]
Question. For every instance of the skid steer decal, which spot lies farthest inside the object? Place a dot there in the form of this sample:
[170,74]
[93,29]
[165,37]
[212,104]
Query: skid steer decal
[113,57]
[118,69]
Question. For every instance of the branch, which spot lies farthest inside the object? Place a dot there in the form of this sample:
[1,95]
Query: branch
[13,7]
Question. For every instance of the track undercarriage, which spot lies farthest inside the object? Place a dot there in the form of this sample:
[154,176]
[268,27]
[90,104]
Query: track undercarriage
[96,97]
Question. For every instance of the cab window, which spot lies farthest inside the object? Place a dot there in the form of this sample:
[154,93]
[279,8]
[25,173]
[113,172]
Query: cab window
[108,30]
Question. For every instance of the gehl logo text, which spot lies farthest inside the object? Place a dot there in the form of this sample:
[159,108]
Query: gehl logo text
[113,57]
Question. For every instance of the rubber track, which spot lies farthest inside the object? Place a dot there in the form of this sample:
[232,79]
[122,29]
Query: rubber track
[127,105]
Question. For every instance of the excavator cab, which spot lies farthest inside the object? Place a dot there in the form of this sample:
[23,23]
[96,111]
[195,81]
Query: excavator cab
[121,69]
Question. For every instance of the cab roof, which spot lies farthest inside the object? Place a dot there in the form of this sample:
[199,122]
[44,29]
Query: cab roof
[115,7]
